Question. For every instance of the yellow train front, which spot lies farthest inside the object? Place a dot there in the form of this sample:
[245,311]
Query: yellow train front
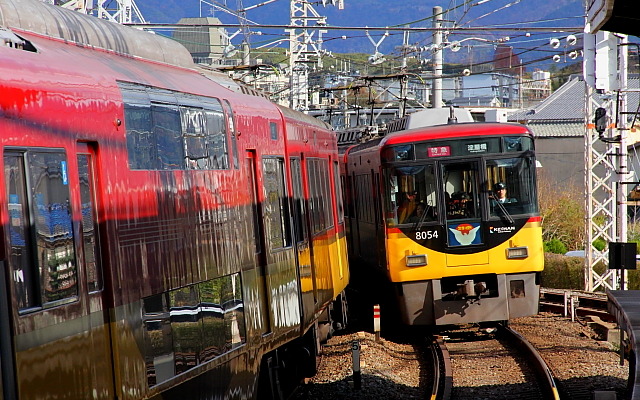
[449,213]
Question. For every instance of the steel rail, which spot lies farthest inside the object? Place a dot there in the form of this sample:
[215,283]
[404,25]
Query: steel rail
[442,387]
[543,372]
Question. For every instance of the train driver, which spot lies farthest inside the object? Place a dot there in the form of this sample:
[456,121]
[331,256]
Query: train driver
[500,196]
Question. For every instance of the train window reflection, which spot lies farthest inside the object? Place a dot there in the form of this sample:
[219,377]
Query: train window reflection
[194,132]
[518,143]
[212,315]
[168,134]
[141,144]
[159,356]
[89,231]
[25,279]
[233,306]
[168,130]
[216,140]
[276,208]
[44,270]
[53,227]
[186,327]
[192,325]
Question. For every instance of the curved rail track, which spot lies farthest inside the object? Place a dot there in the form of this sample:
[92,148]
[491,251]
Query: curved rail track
[503,364]
[442,381]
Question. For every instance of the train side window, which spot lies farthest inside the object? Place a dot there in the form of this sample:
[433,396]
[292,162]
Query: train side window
[194,131]
[326,193]
[217,139]
[338,189]
[89,227]
[232,131]
[276,211]
[43,255]
[315,195]
[299,209]
[168,134]
[25,277]
[141,143]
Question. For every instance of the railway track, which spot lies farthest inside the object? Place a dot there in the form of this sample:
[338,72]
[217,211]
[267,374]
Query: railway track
[497,365]
[442,376]
[575,303]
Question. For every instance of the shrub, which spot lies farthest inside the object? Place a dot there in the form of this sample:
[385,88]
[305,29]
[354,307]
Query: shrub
[600,244]
[555,246]
[562,272]
[562,212]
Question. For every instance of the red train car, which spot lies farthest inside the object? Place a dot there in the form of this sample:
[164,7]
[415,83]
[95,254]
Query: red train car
[154,222]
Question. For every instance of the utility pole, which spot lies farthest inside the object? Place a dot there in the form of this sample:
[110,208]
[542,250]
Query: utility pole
[402,104]
[437,58]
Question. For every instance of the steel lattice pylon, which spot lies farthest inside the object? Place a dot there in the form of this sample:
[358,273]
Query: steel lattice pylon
[600,201]
[304,48]
[607,174]
[120,11]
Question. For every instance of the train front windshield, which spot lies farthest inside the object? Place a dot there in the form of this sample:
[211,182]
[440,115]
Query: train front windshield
[478,179]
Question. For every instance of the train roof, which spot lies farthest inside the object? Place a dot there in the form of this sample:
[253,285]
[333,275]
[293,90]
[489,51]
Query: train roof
[450,131]
[74,27]
[300,116]
[36,17]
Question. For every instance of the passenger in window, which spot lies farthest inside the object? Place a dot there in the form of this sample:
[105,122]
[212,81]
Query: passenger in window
[424,213]
[408,206]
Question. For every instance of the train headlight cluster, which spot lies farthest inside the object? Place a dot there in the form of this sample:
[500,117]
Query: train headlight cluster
[416,260]
[518,252]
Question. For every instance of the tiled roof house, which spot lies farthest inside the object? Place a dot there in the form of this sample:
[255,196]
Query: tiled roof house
[558,123]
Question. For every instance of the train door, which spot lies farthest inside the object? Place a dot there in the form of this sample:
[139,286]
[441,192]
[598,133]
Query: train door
[379,221]
[97,308]
[282,272]
[52,339]
[261,322]
[354,237]
[303,242]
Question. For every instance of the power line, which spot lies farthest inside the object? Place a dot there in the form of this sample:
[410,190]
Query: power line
[571,29]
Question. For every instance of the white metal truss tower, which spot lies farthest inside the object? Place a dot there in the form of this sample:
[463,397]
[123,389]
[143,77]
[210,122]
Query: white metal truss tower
[305,47]
[120,11]
[607,175]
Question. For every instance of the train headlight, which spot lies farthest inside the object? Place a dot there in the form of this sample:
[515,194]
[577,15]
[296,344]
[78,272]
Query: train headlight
[518,252]
[416,260]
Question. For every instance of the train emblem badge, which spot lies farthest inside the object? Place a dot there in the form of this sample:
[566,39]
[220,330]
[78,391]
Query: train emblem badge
[464,234]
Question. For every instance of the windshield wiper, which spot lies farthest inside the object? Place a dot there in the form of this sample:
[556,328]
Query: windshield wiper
[417,225]
[505,212]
